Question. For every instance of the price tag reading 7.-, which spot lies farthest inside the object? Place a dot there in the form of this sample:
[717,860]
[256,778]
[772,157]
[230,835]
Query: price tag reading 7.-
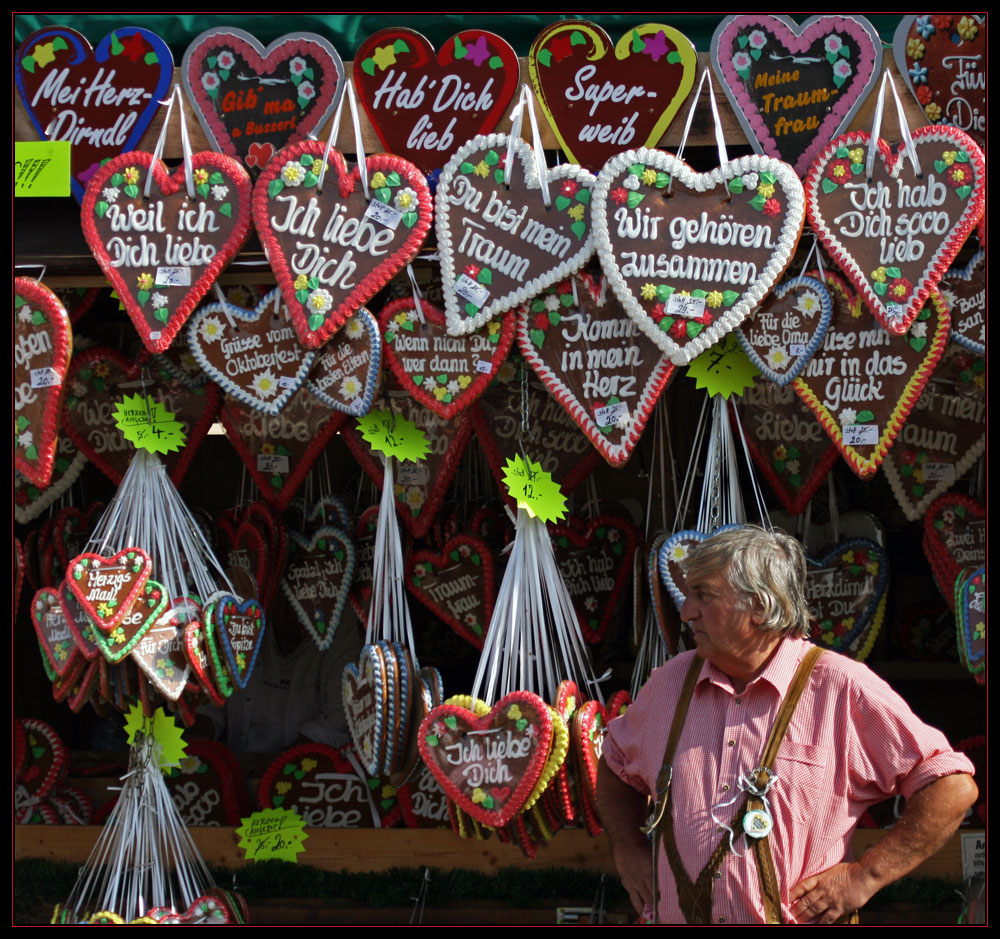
[534,490]
[272,833]
[148,425]
[394,435]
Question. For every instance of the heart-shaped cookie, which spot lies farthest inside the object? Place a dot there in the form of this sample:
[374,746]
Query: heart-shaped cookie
[93,388]
[500,245]
[954,538]
[589,356]
[970,617]
[794,87]
[489,765]
[964,288]
[319,572]
[944,435]
[206,787]
[863,382]
[423,802]
[147,607]
[253,101]
[602,97]
[101,100]
[457,585]
[672,553]
[54,636]
[30,500]
[894,236]
[364,551]
[787,443]
[162,253]
[423,105]
[444,373]
[198,659]
[942,56]
[240,626]
[279,451]
[43,344]
[160,653]
[781,335]
[106,587]
[846,593]
[46,761]
[346,373]
[366,706]
[253,355]
[332,249]
[688,254]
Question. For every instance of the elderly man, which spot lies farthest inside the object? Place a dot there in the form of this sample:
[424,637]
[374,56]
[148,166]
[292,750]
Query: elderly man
[754,760]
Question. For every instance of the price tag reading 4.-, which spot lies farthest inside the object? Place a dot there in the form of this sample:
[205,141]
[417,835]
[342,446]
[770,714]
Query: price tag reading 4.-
[394,435]
[148,425]
[534,490]
[272,833]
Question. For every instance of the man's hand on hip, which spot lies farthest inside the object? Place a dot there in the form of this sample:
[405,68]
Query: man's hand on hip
[823,899]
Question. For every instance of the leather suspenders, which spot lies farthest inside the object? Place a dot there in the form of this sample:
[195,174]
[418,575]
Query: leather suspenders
[695,897]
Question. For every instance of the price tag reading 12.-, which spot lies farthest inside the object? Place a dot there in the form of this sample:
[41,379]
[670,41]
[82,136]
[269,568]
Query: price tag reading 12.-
[393,435]
[148,425]
[272,833]
[534,490]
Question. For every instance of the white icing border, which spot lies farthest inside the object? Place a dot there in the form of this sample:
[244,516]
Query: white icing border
[788,239]
[49,494]
[456,322]
[364,405]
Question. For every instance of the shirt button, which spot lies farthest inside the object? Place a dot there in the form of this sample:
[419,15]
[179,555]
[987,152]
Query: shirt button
[717,875]
[720,828]
[739,700]
[725,788]
[722,919]
[731,743]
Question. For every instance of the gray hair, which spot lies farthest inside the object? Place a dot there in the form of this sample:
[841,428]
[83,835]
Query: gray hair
[768,566]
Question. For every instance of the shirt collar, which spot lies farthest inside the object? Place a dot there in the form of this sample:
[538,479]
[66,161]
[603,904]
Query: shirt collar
[778,673]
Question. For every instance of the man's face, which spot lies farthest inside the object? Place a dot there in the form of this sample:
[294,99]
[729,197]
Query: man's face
[723,622]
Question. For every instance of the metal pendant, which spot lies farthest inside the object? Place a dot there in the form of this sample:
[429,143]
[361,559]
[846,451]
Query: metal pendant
[757,823]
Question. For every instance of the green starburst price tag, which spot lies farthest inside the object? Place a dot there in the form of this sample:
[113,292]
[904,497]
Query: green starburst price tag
[724,369]
[533,489]
[272,833]
[394,436]
[163,729]
[148,425]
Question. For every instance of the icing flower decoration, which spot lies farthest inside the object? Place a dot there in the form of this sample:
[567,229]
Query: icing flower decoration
[301,282]
[757,39]
[452,387]
[219,192]
[714,299]
[918,330]
[478,796]
[117,634]
[144,281]
[900,289]
[741,62]
[226,60]
[320,300]
[472,271]
[440,392]
[833,44]
[792,467]
[110,193]
[464,381]
[678,552]
[576,212]
[649,176]
[959,174]
[401,319]
[750,180]
[24,314]
[879,275]
[838,171]
[777,358]
[842,69]
[808,303]
[482,169]
[541,321]
[924,94]
[354,329]
[308,764]
[297,65]
[25,438]
[131,175]
[967,28]
[766,190]
[679,329]
[293,173]
[569,188]
[942,22]
[265,384]
[552,302]
[918,74]
[158,300]
[949,157]
[933,112]
[306,91]
[914,48]
[925,26]
[631,182]
[210,82]
[648,291]
[405,199]
[619,195]
[514,712]
[241,661]
[772,207]
[414,497]
[200,177]
[429,383]
[780,453]
[378,180]
[848,416]
[856,155]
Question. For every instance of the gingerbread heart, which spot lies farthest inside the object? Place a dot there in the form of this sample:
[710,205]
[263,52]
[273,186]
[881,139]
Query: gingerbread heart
[279,451]
[198,659]
[30,500]
[206,786]
[787,444]
[101,100]
[596,565]
[253,101]
[444,373]
[162,253]
[894,236]
[673,552]
[500,244]
[457,585]
[794,87]
[346,373]
[688,254]
[318,575]
[53,632]
[160,652]
[240,626]
[589,356]
[781,335]
[423,105]
[942,56]
[77,300]
[954,538]
[863,382]
[43,344]
[253,355]
[423,802]
[589,726]
[333,248]
[602,97]
[488,765]
[364,549]
[93,388]
[366,706]
[46,761]
[964,288]
[944,435]
[846,593]
[118,642]
[107,587]
[970,617]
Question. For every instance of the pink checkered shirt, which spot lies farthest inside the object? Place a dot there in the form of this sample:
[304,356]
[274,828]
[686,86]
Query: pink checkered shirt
[851,743]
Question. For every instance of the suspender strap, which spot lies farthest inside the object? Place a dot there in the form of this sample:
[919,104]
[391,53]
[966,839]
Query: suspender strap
[695,898]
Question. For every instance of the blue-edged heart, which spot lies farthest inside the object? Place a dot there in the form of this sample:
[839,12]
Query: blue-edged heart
[240,626]
[846,593]
[673,553]
[253,355]
[345,375]
[970,610]
[782,334]
[365,707]
[964,289]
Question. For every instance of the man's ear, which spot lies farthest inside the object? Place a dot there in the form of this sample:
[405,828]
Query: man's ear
[757,612]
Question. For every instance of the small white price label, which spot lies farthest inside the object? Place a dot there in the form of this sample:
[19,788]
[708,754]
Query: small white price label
[894,311]
[44,377]
[286,382]
[796,348]
[469,290]
[939,473]
[860,435]
[609,415]
[386,215]
[688,307]
[173,277]
[414,474]
[272,463]
[483,367]
[155,334]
